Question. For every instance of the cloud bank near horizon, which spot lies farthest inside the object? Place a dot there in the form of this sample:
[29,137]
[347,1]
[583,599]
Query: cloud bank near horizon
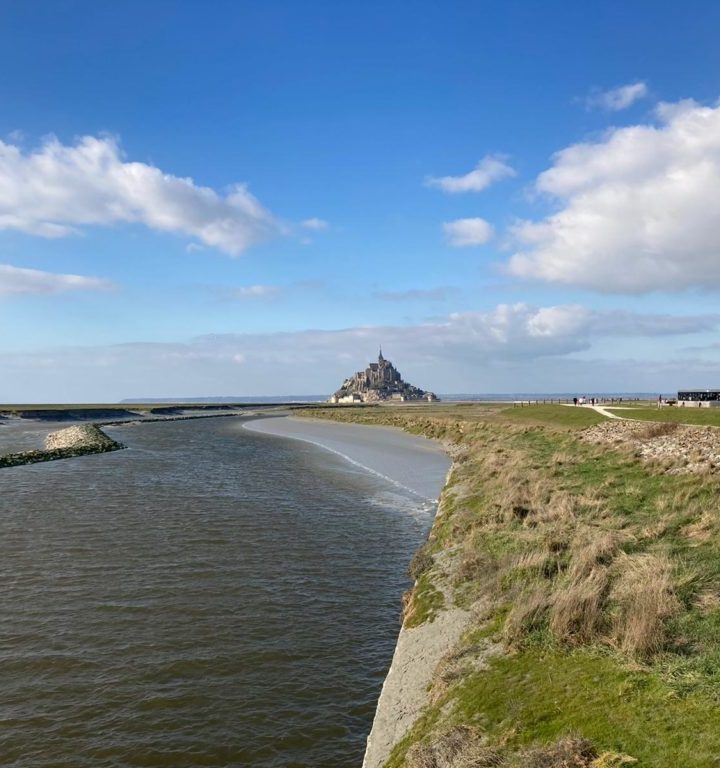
[470,351]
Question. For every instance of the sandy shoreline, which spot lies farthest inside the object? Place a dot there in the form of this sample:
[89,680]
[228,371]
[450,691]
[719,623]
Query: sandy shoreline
[416,464]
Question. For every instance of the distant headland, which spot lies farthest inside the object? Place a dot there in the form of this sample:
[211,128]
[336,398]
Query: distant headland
[379,381]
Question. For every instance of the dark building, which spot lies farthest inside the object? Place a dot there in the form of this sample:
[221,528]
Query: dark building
[698,395]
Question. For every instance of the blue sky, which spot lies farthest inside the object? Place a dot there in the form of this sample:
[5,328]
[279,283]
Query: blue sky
[242,198]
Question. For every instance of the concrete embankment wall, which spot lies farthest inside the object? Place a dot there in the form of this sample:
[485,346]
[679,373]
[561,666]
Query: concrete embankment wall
[404,694]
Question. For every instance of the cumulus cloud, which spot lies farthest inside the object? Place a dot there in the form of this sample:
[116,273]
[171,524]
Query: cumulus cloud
[456,353]
[490,169]
[465,232]
[316,225]
[15,281]
[56,190]
[637,211]
[617,99]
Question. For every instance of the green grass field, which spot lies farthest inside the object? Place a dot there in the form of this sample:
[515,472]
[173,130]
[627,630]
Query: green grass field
[709,417]
[552,415]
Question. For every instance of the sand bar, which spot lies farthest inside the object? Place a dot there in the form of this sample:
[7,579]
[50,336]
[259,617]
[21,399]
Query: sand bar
[414,463]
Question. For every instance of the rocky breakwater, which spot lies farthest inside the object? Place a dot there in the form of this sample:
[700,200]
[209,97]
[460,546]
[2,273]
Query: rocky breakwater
[64,444]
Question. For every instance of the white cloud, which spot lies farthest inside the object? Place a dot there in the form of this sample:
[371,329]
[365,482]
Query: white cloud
[638,211]
[490,169]
[464,232]
[15,281]
[254,291]
[617,99]
[317,225]
[56,190]
[512,347]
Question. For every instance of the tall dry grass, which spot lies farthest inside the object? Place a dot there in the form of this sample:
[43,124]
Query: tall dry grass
[458,747]
[528,612]
[645,599]
[657,429]
[576,612]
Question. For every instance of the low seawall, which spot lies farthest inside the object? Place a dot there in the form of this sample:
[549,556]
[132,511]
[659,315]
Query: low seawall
[65,444]
[418,651]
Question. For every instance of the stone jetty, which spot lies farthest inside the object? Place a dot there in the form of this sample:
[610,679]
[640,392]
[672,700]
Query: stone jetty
[66,443]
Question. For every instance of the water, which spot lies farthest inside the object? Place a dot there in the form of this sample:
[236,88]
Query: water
[210,597]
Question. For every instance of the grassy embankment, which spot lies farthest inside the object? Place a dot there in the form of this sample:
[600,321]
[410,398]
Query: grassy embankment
[594,582]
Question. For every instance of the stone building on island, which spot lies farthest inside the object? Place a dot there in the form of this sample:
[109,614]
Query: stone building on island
[379,381]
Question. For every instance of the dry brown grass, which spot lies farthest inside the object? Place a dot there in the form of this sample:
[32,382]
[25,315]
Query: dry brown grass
[474,564]
[576,612]
[592,547]
[645,599]
[464,747]
[527,613]
[657,429]
[702,530]
[576,615]
[458,747]
[708,601]
[566,753]
[564,458]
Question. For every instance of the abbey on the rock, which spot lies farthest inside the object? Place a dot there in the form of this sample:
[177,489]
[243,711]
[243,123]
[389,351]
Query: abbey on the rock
[379,381]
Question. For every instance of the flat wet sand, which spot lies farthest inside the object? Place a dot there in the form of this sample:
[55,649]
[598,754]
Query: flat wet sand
[411,462]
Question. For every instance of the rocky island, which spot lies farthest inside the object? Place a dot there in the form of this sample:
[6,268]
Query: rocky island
[65,444]
[379,381]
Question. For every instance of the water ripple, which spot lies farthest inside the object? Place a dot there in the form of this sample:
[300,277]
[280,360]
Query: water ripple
[209,597]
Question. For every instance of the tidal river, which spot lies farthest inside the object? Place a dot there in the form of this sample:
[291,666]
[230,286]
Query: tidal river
[213,596]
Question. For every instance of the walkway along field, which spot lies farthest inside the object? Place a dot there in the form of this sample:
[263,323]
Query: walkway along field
[589,572]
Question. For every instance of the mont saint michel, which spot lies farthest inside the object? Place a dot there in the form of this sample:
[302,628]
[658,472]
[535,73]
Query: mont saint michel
[379,381]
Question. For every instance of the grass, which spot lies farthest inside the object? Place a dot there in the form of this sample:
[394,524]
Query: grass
[539,695]
[423,602]
[553,415]
[709,417]
[600,578]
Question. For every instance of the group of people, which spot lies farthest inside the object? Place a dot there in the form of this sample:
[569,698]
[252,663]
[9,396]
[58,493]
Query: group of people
[596,400]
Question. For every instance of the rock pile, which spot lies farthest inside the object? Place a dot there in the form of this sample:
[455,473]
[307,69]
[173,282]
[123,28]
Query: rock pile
[65,444]
[83,436]
[682,448]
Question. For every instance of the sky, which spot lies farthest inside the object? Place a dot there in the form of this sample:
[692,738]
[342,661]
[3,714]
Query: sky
[241,198]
